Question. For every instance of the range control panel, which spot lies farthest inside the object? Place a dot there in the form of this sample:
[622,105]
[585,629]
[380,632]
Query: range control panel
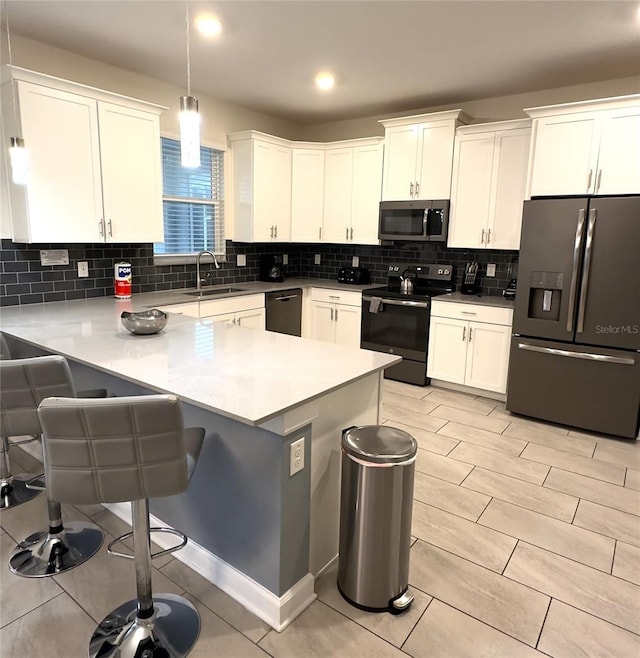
[432,271]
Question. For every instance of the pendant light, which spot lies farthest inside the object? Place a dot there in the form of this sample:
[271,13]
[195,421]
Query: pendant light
[18,154]
[189,116]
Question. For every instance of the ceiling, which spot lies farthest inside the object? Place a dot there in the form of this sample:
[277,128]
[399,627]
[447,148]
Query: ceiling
[387,56]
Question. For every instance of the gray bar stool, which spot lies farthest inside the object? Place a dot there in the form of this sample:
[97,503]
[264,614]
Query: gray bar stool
[25,383]
[126,449]
[13,488]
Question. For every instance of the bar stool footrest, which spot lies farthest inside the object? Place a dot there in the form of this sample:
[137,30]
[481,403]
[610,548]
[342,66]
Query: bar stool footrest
[13,442]
[37,482]
[166,551]
[14,491]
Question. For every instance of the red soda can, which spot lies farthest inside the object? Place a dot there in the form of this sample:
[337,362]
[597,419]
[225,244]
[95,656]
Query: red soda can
[122,280]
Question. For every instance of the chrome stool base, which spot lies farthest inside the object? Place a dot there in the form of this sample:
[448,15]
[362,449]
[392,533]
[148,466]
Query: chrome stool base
[45,554]
[16,493]
[170,633]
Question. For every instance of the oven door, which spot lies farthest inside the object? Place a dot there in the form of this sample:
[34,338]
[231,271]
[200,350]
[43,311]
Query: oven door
[399,327]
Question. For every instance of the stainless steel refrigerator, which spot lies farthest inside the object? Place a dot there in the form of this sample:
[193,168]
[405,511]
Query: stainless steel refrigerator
[575,352]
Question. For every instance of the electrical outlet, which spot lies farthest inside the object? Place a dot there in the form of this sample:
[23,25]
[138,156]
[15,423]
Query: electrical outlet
[355,261]
[316,259]
[83,269]
[296,456]
[491,269]
[241,260]
[285,259]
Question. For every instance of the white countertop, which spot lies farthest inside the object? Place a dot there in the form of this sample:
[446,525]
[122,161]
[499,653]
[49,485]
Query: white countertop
[483,300]
[183,296]
[245,374]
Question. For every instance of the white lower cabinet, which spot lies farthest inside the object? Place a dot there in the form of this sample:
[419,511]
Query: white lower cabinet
[335,316]
[469,345]
[244,310]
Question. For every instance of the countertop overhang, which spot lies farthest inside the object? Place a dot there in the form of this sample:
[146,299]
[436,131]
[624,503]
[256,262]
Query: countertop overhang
[245,374]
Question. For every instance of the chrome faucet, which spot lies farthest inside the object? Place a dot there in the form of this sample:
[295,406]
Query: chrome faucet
[198,257]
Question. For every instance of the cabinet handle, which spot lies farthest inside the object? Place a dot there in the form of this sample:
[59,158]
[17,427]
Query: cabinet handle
[417,189]
[470,333]
[468,313]
[352,232]
[589,179]
[464,333]
[240,324]
[336,315]
[276,231]
[488,236]
[599,180]
[411,190]
[110,228]
[331,315]
[482,237]
[346,233]
[320,233]
[101,228]
[272,232]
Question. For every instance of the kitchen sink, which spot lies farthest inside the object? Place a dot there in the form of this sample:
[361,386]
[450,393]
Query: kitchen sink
[214,291]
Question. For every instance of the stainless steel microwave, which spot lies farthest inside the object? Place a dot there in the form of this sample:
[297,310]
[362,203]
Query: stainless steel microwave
[427,221]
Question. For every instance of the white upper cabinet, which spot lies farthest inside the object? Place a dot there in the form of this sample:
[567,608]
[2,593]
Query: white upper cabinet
[418,155]
[619,156]
[307,194]
[488,186]
[305,191]
[130,214]
[586,148]
[367,186]
[95,163]
[353,175]
[262,187]
[338,177]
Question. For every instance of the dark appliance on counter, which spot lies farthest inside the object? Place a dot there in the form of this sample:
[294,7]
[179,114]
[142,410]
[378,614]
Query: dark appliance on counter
[575,350]
[284,311]
[510,291]
[397,322]
[271,268]
[471,280]
[426,221]
[355,275]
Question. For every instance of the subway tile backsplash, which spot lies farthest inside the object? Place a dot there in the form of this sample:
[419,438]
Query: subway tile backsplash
[24,280]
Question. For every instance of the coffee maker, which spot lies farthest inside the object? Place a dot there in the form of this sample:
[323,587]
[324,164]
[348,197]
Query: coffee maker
[271,268]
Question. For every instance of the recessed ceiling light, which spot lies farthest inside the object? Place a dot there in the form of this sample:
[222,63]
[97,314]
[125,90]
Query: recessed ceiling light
[325,81]
[208,25]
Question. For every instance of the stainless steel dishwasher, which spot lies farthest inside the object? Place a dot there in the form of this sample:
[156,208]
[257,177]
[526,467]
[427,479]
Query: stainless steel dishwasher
[284,311]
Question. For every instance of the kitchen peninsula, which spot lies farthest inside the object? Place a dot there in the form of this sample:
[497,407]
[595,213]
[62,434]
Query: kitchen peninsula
[256,532]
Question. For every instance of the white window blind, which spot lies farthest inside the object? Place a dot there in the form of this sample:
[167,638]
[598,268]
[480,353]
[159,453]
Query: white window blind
[192,202]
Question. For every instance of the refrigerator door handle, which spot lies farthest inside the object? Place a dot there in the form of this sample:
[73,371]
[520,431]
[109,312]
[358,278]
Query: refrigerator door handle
[587,356]
[574,270]
[585,270]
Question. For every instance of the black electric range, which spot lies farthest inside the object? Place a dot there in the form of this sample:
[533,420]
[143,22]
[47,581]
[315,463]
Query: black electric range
[397,322]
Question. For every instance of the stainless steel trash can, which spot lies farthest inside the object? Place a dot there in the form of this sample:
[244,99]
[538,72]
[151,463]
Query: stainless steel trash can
[378,464]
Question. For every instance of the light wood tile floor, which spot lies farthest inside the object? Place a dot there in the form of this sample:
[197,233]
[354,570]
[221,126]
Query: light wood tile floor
[526,543]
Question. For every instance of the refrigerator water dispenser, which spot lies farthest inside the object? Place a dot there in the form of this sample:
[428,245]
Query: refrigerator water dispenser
[545,295]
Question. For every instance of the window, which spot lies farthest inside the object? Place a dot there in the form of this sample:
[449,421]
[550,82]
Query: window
[192,203]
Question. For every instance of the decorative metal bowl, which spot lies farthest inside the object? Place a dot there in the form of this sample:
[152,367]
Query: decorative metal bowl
[144,322]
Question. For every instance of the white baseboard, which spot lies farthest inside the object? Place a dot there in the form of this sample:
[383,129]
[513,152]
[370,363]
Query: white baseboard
[277,611]
[438,383]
